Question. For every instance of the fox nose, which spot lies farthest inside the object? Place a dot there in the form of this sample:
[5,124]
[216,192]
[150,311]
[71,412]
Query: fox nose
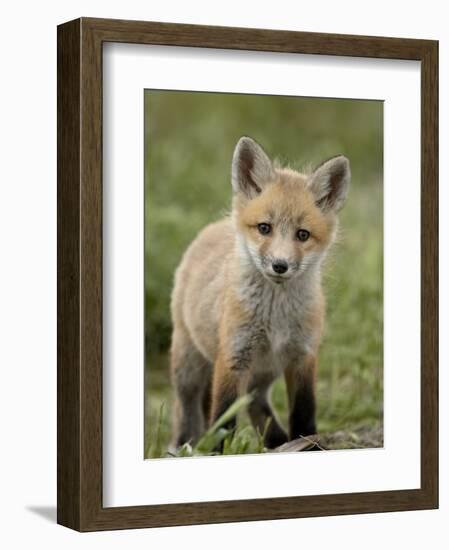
[279,266]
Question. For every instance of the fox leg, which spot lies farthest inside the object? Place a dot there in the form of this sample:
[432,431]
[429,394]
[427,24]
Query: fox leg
[191,377]
[300,380]
[231,369]
[227,384]
[260,412]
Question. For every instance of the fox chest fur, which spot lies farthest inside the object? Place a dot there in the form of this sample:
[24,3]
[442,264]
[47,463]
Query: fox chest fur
[279,327]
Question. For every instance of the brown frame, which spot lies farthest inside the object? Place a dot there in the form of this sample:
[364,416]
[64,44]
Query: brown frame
[80,274]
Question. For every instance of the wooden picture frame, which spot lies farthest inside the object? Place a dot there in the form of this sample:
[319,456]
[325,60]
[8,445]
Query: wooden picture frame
[80,504]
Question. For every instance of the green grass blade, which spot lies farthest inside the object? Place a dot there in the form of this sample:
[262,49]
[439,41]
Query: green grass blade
[216,433]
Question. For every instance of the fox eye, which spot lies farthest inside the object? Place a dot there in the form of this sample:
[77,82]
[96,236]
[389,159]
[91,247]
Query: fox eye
[264,228]
[303,234]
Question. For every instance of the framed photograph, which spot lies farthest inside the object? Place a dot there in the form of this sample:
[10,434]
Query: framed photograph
[247,272]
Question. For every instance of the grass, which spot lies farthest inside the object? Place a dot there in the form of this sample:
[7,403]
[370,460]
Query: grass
[189,141]
[242,440]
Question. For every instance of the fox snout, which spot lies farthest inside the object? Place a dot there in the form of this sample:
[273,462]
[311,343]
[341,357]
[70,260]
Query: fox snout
[279,266]
[279,269]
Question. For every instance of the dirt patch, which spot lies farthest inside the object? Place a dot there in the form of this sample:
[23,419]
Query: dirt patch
[365,437]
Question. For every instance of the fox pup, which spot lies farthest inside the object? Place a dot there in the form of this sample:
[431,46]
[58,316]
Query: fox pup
[247,304]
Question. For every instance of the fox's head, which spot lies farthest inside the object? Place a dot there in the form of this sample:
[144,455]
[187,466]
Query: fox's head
[285,220]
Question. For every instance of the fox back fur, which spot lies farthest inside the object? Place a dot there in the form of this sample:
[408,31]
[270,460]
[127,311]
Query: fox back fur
[247,304]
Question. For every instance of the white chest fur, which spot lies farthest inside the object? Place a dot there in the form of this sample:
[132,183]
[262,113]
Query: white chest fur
[279,312]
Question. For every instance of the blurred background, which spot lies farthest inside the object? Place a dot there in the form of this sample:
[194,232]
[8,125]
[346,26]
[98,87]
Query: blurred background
[189,141]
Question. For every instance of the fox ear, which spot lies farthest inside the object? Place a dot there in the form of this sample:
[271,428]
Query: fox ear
[330,183]
[252,170]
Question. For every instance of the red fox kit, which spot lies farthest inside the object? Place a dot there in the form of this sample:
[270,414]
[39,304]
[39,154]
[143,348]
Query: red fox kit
[247,304]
